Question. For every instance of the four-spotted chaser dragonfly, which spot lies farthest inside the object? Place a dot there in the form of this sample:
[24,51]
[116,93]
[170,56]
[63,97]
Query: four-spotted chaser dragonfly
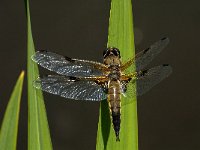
[95,81]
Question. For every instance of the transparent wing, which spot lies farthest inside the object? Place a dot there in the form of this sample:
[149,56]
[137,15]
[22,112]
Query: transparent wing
[149,78]
[146,80]
[71,88]
[144,57]
[67,66]
[128,92]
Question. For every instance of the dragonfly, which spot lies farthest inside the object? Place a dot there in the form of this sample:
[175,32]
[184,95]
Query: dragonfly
[94,81]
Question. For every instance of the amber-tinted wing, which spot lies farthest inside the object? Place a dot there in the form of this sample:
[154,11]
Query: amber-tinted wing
[146,80]
[143,58]
[67,66]
[71,88]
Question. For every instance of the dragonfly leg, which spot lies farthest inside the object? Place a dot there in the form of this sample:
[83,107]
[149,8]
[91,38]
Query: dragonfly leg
[128,77]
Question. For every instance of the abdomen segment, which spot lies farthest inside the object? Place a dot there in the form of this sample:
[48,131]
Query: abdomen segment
[115,105]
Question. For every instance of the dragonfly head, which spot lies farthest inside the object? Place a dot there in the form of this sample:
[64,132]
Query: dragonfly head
[112,56]
[111,51]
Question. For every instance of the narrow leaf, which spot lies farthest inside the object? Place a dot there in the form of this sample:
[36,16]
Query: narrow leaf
[38,129]
[120,36]
[9,128]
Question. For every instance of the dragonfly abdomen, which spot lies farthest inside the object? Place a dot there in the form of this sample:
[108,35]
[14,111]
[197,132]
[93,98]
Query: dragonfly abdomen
[115,105]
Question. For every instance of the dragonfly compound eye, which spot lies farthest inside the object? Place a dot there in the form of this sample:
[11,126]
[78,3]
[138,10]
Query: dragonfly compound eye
[106,52]
[111,50]
[116,52]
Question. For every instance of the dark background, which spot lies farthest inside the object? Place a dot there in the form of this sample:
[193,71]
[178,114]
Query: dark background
[169,115]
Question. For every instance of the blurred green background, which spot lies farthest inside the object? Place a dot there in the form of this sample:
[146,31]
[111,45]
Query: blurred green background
[168,115]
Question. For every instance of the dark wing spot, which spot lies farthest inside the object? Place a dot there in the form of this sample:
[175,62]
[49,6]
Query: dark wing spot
[129,79]
[142,73]
[74,78]
[164,38]
[146,50]
[165,65]
[69,59]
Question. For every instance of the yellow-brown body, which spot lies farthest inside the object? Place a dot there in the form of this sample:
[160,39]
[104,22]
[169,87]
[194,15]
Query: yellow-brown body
[114,88]
[114,101]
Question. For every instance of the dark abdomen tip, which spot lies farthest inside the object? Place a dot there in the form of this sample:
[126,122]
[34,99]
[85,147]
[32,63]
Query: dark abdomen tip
[116,123]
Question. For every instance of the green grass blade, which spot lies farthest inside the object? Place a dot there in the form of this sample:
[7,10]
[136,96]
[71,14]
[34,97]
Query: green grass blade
[120,36]
[9,128]
[38,129]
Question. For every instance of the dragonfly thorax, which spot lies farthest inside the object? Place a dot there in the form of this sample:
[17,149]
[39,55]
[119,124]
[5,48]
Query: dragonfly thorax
[114,76]
[115,72]
[112,60]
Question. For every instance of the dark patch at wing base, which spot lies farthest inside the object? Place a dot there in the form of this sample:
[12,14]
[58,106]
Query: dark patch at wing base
[151,77]
[145,81]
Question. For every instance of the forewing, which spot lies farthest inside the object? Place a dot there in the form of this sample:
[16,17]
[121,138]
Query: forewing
[146,80]
[144,57]
[71,88]
[67,66]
